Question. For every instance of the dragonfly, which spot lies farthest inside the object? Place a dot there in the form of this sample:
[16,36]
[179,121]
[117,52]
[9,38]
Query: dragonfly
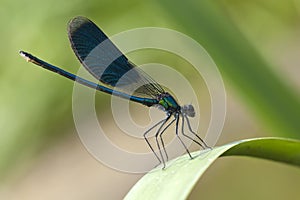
[104,61]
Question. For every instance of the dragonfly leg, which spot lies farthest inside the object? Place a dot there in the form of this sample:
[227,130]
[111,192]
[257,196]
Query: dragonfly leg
[145,137]
[161,139]
[177,123]
[203,145]
[156,139]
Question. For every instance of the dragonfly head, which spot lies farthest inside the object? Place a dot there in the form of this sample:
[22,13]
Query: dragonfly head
[188,110]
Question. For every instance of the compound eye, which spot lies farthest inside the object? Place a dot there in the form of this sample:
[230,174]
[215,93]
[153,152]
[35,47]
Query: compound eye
[188,110]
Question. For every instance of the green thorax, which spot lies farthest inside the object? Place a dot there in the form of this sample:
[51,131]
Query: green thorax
[168,102]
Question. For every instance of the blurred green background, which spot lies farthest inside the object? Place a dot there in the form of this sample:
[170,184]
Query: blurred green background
[255,44]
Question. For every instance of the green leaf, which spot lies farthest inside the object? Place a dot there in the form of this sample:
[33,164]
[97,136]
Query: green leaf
[181,174]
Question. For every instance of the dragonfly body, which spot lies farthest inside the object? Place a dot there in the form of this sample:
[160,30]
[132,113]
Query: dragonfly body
[108,65]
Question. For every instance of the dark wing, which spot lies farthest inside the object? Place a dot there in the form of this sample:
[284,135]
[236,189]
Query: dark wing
[105,61]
